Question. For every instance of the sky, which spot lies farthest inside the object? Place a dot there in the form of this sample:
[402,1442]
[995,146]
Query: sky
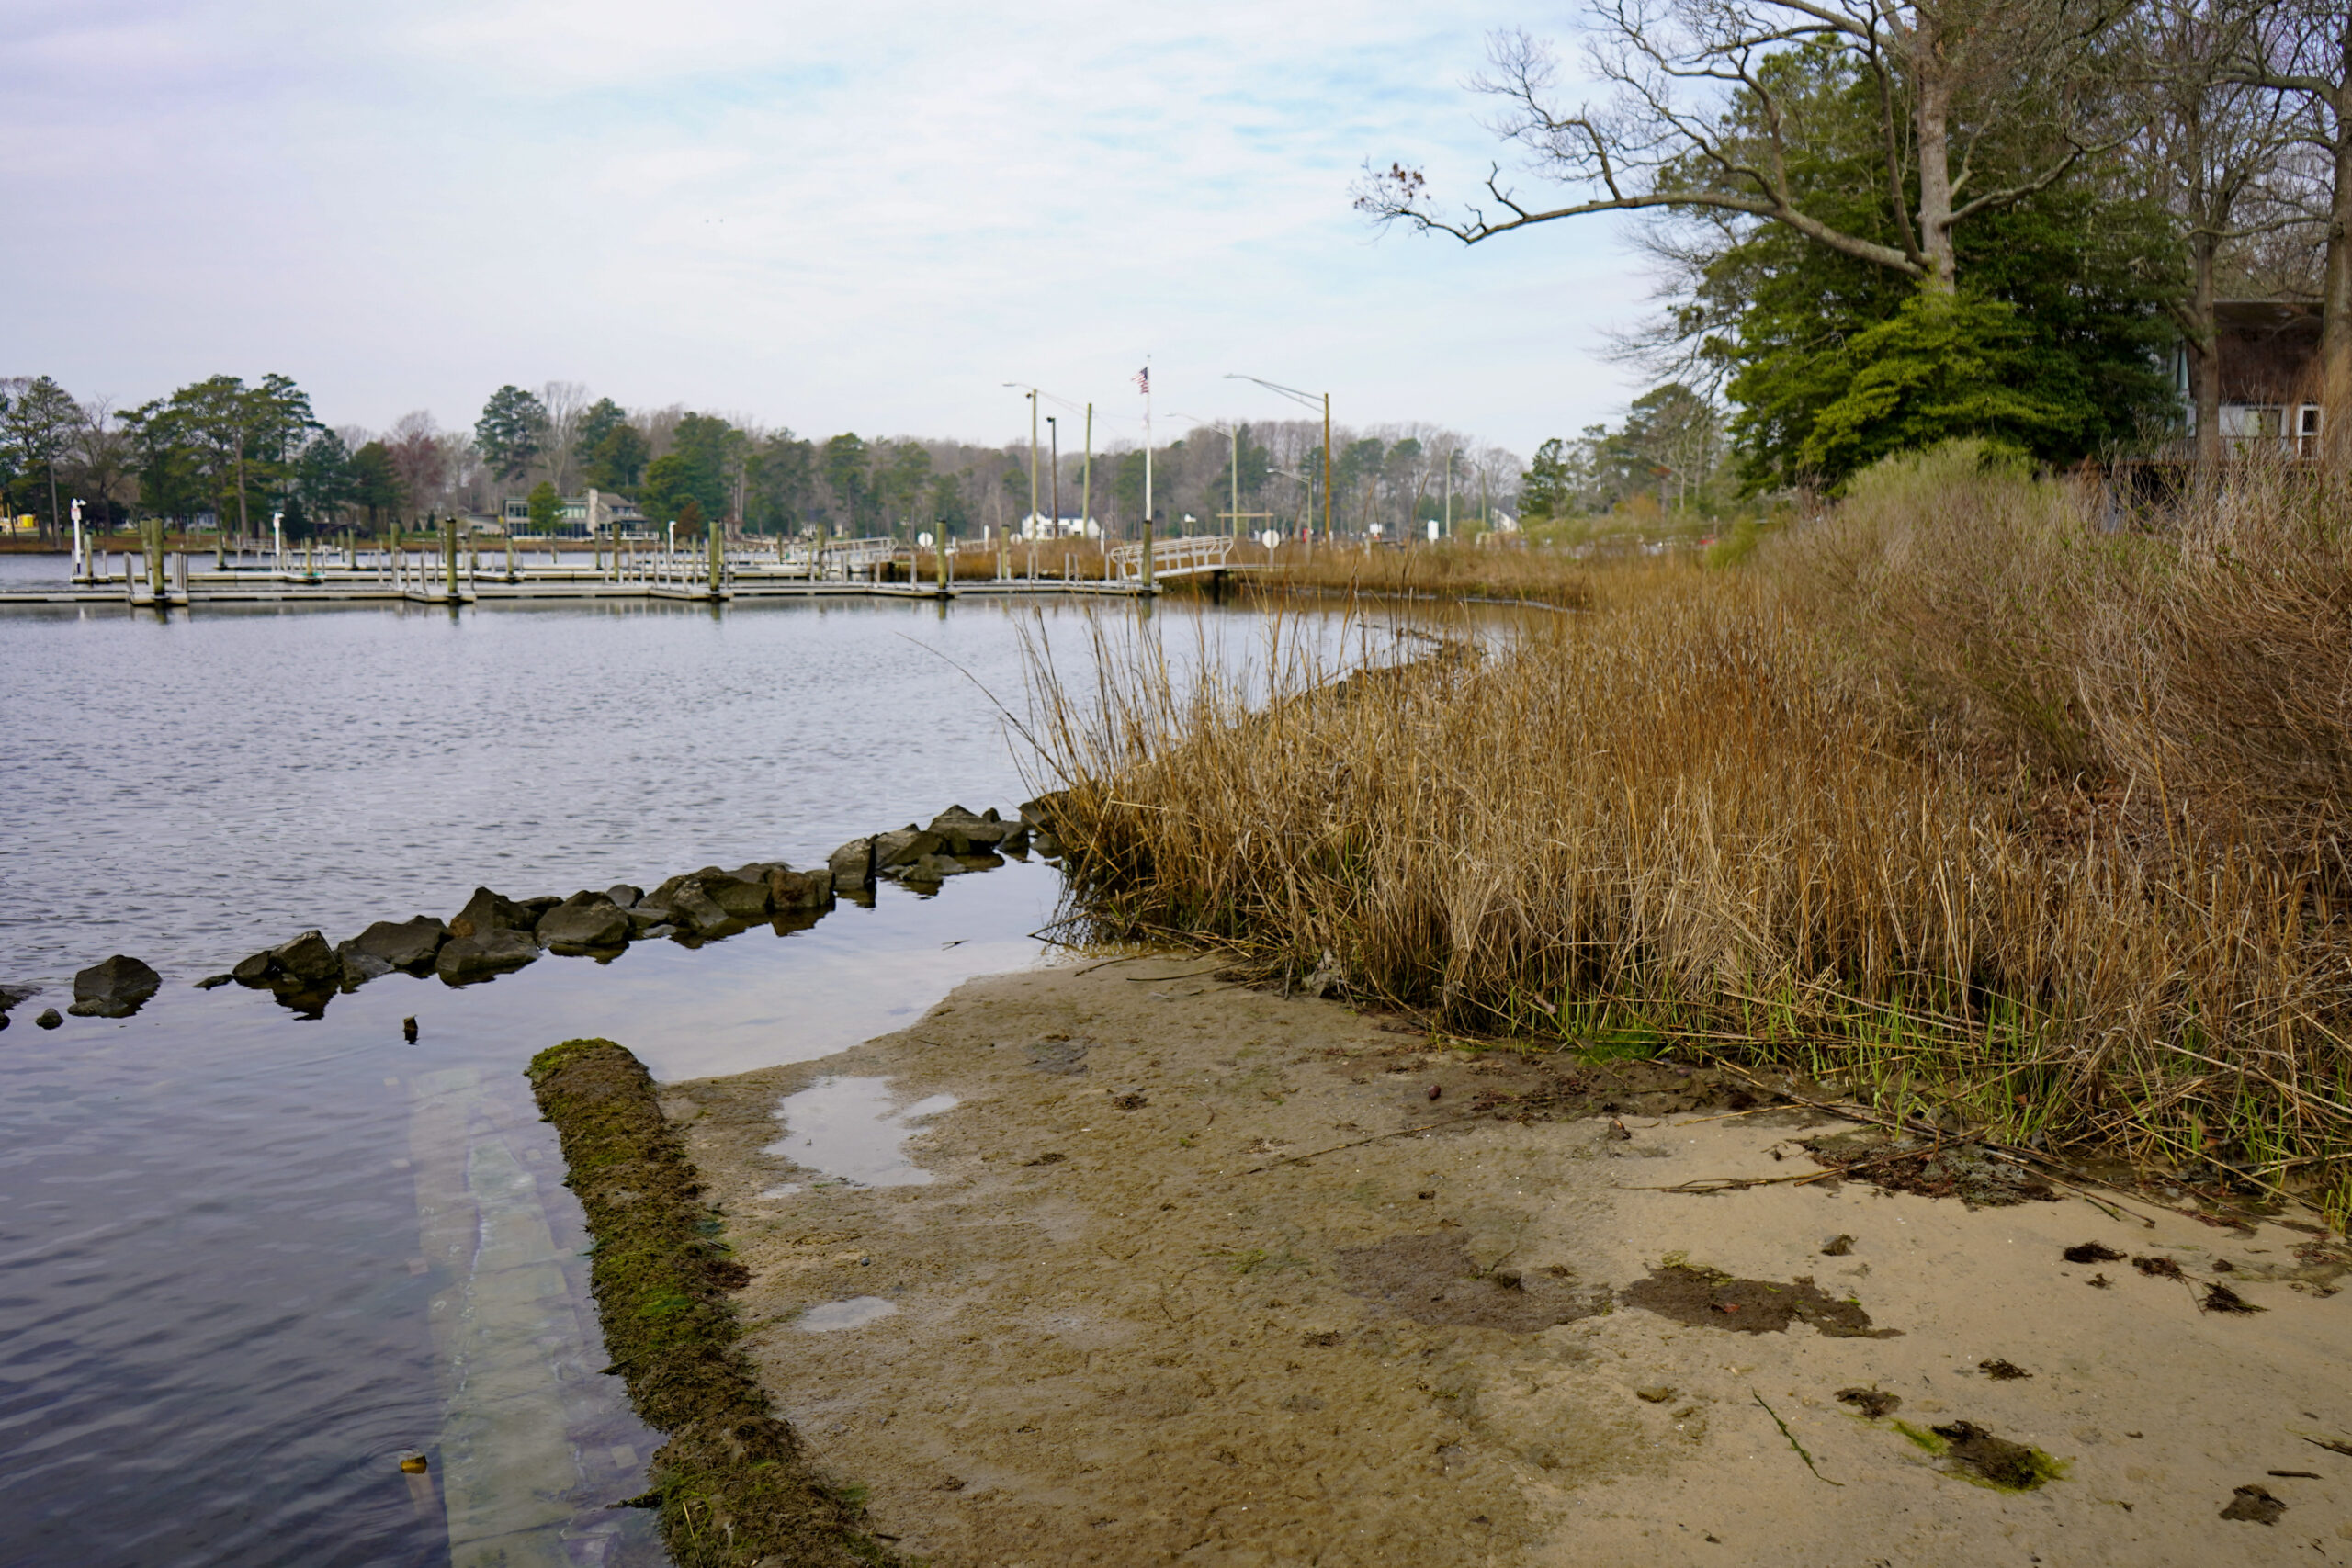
[859,216]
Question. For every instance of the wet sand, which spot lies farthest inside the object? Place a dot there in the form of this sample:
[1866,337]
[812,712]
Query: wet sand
[1105,1316]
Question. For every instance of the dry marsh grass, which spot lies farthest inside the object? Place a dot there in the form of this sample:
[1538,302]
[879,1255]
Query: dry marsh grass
[1950,796]
[1450,570]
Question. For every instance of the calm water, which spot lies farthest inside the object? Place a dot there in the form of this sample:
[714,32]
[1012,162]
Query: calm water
[247,1259]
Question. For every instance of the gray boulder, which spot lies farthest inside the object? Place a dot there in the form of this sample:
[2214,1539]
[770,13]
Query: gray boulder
[622,894]
[645,913]
[11,995]
[305,961]
[853,866]
[1040,813]
[931,869]
[585,923]
[742,900]
[488,911]
[115,989]
[403,944]
[792,892]
[539,905]
[963,833]
[359,967]
[469,958]
[904,846]
[48,1019]
[692,909]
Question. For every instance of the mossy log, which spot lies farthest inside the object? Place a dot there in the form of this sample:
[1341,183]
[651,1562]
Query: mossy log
[733,1484]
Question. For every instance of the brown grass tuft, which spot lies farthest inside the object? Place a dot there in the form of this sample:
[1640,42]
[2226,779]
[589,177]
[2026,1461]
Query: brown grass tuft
[1951,796]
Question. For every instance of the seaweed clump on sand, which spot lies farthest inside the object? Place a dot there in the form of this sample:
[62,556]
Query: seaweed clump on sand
[733,1486]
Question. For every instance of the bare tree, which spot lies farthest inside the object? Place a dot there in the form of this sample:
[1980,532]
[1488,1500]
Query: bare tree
[1699,120]
[2210,150]
[565,402]
[101,457]
[2307,59]
[420,459]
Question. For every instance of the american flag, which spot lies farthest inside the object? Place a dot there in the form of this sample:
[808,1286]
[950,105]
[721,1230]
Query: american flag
[1143,380]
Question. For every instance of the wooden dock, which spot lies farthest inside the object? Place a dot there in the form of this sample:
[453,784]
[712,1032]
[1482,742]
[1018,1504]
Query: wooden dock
[486,577]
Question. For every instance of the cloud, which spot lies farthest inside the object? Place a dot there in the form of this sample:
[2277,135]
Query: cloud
[831,217]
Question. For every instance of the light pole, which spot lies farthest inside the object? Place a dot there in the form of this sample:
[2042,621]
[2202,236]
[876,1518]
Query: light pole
[1311,400]
[1031,392]
[1054,434]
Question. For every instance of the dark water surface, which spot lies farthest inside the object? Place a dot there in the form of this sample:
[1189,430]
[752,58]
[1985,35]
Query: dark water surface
[247,1259]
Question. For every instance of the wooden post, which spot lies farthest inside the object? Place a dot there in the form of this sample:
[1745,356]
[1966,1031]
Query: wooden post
[449,552]
[717,556]
[1146,555]
[945,570]
[155,563]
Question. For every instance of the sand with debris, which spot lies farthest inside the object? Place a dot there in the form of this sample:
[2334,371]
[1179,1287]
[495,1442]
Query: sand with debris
[1108,1315]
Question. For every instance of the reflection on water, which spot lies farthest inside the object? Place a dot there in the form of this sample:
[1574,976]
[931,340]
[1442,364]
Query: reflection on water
[854,1313]
[247,1260]
[847,1129]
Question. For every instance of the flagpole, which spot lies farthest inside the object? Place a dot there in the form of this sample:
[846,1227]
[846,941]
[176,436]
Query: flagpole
[1147,439]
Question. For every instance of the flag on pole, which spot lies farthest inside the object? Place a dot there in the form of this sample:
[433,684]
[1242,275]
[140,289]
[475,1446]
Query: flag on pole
[1143,380]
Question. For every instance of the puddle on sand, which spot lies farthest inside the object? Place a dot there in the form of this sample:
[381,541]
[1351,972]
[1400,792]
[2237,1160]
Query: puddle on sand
[854,1313]
[846,1128]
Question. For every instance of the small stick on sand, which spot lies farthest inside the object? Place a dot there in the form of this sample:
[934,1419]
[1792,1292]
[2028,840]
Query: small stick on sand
[1783,1425]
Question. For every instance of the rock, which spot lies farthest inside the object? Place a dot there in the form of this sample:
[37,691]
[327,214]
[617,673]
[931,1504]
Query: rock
[469,958]
[488,911]
[408,1029]
[1015,841]
[115,989]
[1040,813]
[305,961]
[623,894]
[11,995]
[904,847]
[585,923]
[213,982]
[403,944]
[853,866]
[790,890]
[359,967]
[540,903]
[48,1019]
[252,970]
[963,833]
[644,916]
[695,911]
[931,869]
[742,900]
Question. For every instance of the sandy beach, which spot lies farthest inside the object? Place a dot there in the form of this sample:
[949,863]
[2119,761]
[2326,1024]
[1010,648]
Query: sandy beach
[1050,1279]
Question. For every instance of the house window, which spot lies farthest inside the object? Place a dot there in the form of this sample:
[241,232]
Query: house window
[2307,431]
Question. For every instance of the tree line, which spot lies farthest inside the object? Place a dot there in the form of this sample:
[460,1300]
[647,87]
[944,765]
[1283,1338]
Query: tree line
[239,453]
[1877,224]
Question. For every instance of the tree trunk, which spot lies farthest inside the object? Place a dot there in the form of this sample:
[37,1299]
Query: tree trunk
[1933,121]
[2204,352]
[241,529]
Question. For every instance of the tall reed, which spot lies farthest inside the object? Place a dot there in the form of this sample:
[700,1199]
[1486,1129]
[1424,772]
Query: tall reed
[1694,813]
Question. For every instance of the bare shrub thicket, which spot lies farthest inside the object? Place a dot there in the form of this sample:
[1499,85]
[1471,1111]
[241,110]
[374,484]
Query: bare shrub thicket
[1951,795]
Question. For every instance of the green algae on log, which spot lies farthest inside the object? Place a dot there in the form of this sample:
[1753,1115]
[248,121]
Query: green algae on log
[733,1484]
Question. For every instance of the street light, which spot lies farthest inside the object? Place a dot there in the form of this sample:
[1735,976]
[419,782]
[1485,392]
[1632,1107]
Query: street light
[1311,400]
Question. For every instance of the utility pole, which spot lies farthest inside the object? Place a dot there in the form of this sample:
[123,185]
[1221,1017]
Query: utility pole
[1236,519]
[1144,380]
[1326,470]
[1449,492]
[1086,475]
[1054,431]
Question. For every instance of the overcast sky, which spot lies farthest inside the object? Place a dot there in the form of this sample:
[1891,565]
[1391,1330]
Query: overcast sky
[847,216]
